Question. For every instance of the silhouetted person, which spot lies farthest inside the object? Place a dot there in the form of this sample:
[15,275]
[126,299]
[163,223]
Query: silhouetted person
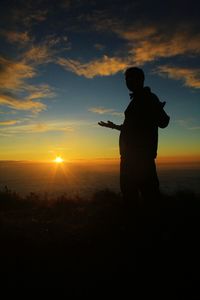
[139,140]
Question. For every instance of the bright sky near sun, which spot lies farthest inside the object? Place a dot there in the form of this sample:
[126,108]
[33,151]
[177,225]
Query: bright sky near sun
[61,71]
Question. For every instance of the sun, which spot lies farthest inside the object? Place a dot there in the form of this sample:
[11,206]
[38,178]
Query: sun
[58,160]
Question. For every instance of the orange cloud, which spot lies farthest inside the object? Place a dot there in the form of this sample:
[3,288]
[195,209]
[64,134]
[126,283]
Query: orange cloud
[144,44]
[38,54]
[52,126]
[136,33]
[9,122]
[100,67]
[13,73]
[190,77]
[13,76]
[29,105]
[39,127]
[151,44]
[16,37]
[39,92]
[147,43]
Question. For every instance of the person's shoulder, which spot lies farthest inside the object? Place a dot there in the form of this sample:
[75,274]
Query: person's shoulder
[151,97]
[154,99]
[150,94]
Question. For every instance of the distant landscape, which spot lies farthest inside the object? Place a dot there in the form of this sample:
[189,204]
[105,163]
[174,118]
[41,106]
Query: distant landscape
[85,178]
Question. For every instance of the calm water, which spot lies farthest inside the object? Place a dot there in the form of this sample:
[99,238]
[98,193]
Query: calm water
[78,178]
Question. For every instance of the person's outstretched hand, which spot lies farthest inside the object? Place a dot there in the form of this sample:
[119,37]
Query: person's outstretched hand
[108,124]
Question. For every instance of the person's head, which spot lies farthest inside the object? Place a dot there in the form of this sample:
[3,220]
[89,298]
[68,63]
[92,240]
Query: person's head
[134,78]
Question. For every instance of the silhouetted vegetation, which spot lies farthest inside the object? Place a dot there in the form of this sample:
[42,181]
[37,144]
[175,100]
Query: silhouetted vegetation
[65,242]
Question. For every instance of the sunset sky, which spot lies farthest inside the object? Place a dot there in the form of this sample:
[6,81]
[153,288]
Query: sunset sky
[61,71]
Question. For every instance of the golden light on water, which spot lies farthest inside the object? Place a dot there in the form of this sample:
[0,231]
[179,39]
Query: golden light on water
[58,160]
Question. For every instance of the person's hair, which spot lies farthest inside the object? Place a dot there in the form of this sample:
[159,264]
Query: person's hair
[134,71]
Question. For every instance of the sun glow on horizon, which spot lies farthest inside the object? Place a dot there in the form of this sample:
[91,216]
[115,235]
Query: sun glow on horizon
[58,160]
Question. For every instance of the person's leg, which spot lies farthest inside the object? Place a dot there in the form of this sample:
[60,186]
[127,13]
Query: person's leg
[150,193]
[149,184]
[130,193]
[128,185]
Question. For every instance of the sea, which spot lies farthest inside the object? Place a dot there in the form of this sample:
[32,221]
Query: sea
[84,179]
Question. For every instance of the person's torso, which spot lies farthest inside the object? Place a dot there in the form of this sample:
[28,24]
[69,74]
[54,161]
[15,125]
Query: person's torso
[139,133]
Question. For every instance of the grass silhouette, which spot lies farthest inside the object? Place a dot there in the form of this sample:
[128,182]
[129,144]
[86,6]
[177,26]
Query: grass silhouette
[89,243]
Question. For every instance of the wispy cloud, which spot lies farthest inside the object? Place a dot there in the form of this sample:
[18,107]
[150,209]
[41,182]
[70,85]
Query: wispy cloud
[143,44]
[17,92]
[39,92]
[36,16]
[9,122]
[184,122]
[138,32]
[102,110]
[18,37]
[148,40]
[189,123]
[99,47]
[31,13]
[149,43]
[159,47]
[190,77]
[13,76]
[38,54]
[195,128]
[13,73]
[39,127]
[26,105]
[13,80]
[98,67]
[10,112]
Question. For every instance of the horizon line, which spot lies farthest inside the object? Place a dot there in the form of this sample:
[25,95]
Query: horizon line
[159,159]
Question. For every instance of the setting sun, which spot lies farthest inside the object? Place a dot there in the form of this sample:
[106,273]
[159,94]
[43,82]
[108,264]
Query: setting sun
[58,160]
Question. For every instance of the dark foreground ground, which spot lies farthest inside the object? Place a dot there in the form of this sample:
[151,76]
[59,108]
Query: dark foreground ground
[93,246]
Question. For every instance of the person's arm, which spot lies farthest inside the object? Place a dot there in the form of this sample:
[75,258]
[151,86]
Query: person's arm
[163,118]
[110,124]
